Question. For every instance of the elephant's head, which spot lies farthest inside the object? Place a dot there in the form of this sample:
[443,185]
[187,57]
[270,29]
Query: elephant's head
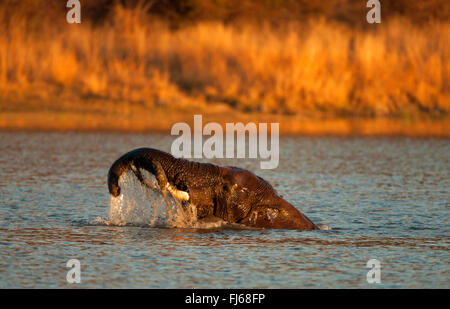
[250,200]
[279,214]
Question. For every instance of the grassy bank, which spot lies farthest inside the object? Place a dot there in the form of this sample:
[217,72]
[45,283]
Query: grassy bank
[132,64]
[138,119]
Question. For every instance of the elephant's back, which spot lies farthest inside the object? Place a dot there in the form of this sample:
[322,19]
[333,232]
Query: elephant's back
[189,174]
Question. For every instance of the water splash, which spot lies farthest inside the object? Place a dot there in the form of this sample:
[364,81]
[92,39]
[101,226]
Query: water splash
[138,205]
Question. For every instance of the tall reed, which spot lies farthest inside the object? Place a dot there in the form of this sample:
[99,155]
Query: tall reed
[315,68]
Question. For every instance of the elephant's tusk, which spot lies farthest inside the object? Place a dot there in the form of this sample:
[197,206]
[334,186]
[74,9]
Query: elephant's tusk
[133,167]
[181,195]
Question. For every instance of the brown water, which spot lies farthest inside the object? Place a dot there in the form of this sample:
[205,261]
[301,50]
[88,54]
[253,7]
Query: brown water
[384,198]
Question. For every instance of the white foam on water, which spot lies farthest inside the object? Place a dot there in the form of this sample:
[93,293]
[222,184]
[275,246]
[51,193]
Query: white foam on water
[323,227]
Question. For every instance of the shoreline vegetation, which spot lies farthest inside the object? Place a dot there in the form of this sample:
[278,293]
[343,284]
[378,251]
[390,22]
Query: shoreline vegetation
[317,69]
[158,120]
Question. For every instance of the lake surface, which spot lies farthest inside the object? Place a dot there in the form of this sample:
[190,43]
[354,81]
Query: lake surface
[383,198]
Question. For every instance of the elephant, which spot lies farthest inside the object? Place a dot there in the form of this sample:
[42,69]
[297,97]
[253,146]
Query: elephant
[232,194]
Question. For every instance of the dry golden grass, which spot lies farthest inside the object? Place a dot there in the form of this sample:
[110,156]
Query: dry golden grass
[314,69]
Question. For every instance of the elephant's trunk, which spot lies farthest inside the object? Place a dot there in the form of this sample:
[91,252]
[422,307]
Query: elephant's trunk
[152,160]
[122,165]
[116,170]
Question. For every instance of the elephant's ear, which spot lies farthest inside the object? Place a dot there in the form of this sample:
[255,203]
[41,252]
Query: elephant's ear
[233,200]
[238,203]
